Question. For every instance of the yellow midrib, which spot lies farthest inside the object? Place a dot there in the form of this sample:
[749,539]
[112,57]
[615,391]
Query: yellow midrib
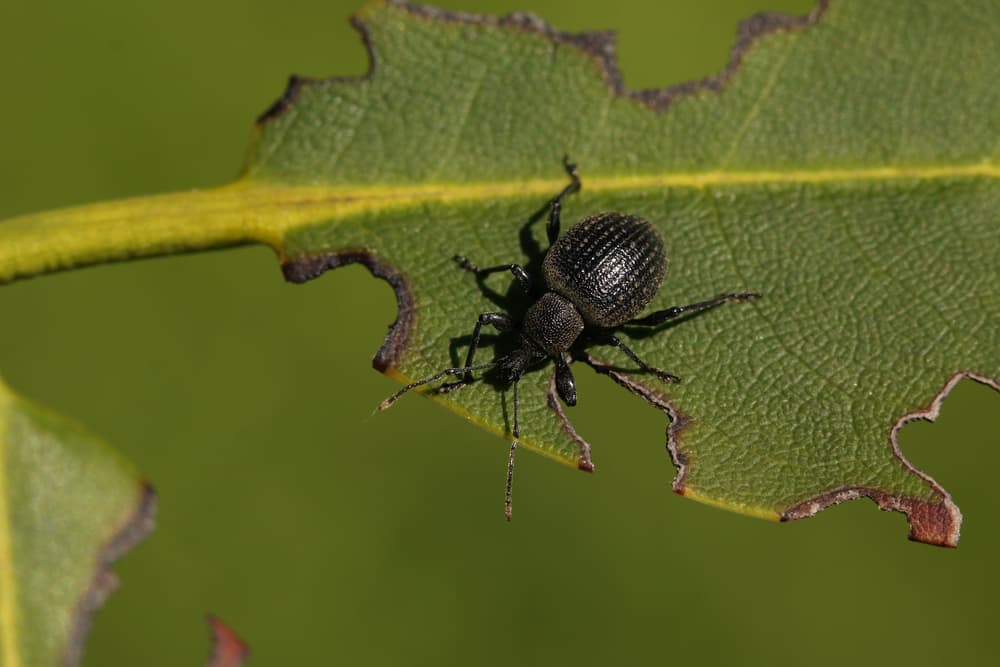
[259,211]
[9,647]
[375,197]
[298,204]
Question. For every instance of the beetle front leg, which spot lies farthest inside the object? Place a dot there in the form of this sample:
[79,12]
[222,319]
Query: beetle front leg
[555,210]
[502,322]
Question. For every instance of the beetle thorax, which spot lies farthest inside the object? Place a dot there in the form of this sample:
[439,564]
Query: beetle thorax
[552,323]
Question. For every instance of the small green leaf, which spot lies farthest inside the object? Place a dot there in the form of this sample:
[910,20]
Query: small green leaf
[844,166]
[69,507]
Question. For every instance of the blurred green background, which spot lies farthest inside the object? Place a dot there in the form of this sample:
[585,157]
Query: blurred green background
[325,534]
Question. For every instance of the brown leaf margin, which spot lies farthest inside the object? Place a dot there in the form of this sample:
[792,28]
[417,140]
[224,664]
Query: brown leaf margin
[585,462]
[932,523]
[304,269]
[135,529]
[601,47]
[676,420]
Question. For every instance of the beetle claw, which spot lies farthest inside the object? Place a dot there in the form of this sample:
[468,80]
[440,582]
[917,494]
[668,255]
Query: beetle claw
[667,377]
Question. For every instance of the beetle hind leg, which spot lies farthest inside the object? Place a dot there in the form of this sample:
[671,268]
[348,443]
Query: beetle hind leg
[614,341]
[661,316]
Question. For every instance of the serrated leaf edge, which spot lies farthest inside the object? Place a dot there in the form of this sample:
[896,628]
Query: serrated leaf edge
[599,46]
[932,523]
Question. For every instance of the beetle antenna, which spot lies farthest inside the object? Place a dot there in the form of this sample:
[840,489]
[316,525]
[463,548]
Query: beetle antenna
[387,403]
[510,458]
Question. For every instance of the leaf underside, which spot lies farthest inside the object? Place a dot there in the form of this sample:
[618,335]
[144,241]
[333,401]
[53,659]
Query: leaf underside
[844,166]
[69,507]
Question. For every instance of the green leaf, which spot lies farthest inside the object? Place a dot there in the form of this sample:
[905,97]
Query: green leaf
[844,166]
[69,507]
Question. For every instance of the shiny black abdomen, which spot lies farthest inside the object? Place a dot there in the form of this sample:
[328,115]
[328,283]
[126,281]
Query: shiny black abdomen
[609,265]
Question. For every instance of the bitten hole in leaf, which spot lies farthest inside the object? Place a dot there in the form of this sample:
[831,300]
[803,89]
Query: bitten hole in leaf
[964,434]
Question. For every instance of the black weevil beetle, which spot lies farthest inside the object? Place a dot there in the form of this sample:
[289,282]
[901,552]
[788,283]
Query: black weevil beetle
[601,274]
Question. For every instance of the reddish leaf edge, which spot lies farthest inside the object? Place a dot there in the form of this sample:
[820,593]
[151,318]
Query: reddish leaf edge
[676,419]
[601,47]
[228,650]
[584,463]
[136,528]
[939,523]
[935,523]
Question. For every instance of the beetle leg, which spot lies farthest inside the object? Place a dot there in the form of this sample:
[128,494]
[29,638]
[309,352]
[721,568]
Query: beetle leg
[508,492]
[502,322]
[387,403]
[609,339]
[523,279]
[552,227]
[661,316]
